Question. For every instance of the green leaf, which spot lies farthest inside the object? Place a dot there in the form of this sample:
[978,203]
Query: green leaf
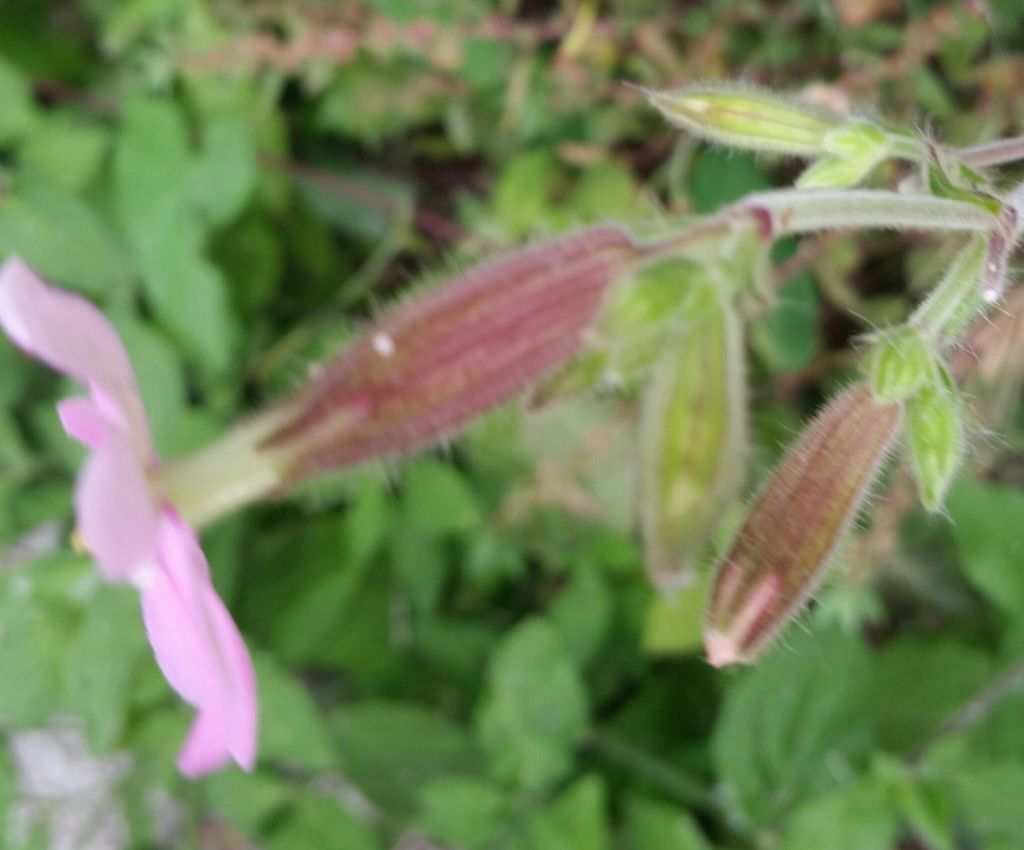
[292,730]
[293,610]
[152,166]
[576,820]
[225,174]
[989,795]
[720,177]
[856,817]
[583,613]
[436,499]
[462,811]
[783,723]
[153,170]
[61,237]
[40,610]
[650,825]
[786,337]
[922,683]
[521,193]
[606,190]
[18,110]
[486,62]
[321,822]
[986,519]
[535,708]
[392,750]
[66,149]
[102,664]
[246,800]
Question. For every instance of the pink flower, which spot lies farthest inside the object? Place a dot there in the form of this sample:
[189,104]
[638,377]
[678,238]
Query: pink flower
[134,534]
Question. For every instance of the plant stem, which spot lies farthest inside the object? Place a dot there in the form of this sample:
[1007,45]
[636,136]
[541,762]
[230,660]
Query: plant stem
[795,211]
[999,152]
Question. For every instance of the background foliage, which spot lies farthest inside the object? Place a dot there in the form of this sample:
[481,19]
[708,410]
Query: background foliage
[461,650]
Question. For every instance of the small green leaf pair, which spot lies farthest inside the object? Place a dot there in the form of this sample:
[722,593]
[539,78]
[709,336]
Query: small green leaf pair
[905,367]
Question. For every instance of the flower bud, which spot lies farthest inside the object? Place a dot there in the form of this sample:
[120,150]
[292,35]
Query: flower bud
[781,551]
[747,118]
[858,140]
[934,429]
[637,316]
[587,371]
[429,366]
[853,151]
[901,361]
[692,443]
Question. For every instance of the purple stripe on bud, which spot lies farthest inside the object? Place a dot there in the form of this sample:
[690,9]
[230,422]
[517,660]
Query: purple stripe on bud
[429,366]
[790,532]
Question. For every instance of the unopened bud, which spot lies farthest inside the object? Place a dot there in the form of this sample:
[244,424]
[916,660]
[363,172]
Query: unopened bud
[636,317]
[858,140]
[783,547]
[428,367]
[588,370]
[692,443]
[901,361]
[934,429]
[747,118]
[853,151]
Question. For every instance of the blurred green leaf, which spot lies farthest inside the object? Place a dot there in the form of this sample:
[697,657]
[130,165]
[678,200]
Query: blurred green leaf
[786,337]
[68,150]
[462,811]
[18,111]
[246,800]
[810,704]
[292,730]
[521,193]
[922,683]
[392,750]
[722,176]
[102,664]
[81,253]
[984,527]
[535,707]
[989,794]
[856,817]
[224,174]
[575,820]
[583,614]
[650,824]
[317,821]
[437,500]
[153,173]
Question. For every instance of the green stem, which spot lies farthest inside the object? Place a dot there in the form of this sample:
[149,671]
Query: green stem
[795,211]
[999,152]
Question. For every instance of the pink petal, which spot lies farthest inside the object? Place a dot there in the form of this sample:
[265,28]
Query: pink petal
[200,651]
[83,421]
[72,336]
[117,518]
